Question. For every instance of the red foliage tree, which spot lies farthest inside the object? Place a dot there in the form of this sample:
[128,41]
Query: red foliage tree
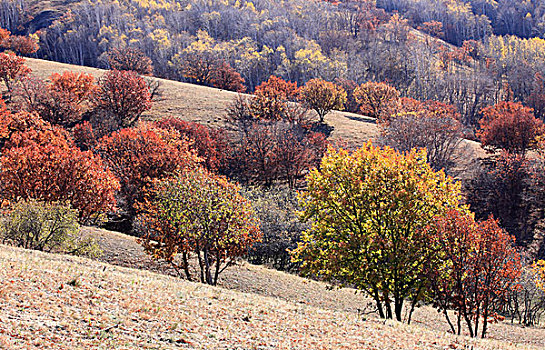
[124,96]
[130,59]
[66,97]
[225,77]
[377,100]
[212,145]
[139,155]
[12,69]
[23,45]
[509,126]
[278,151]
[42,163]
[478,267]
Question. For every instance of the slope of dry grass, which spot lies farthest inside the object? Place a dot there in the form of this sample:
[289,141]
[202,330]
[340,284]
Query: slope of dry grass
[61,302]
[207,105]
[122,250]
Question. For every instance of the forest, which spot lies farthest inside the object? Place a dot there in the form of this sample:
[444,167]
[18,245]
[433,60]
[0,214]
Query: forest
[397,218]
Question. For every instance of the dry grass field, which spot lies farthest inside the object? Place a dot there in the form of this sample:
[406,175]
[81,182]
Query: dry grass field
[52,301]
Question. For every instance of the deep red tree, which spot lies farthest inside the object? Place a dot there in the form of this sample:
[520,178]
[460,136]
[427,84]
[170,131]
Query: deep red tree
[509,126]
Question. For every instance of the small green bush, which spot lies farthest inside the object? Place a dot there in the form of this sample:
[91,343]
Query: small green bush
[49,227]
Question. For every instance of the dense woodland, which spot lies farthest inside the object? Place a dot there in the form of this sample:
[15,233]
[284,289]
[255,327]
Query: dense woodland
[388,218]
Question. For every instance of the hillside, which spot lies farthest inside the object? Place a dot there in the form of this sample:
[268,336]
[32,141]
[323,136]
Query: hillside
[61,302]
[207,105]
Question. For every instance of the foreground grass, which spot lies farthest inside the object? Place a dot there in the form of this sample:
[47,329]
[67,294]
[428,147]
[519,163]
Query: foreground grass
[59,302]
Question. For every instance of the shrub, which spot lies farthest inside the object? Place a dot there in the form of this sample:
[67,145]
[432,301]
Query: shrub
[139,155]
[49,227]
[130,59]
[197,213]
[431,125]
[377,100]
[276,209]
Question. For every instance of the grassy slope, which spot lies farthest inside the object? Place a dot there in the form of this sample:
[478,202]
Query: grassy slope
[60,302]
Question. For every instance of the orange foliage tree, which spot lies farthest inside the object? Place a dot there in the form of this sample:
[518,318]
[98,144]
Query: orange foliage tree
[477,268]
[272,97]
[212,145]
[62,101]
[322,96]
[197,214]
[377,100]
[12,69]
[509,126]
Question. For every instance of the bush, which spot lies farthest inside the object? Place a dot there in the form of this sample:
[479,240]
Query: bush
[277,210]
[49,227]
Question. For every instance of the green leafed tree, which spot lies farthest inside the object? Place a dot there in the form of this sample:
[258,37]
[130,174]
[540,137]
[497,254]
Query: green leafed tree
[367,211]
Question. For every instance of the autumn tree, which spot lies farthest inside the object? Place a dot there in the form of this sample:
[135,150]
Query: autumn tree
[130,59]
[377,100]
[197,214]
[539,270]
[63,100]
[272,98]
[139,155]
[123,96]
[368,210]
[45,165]
[509,126]
[432,125]
[225,77]
[12,69]
[212,145]
[277,151]
[322,96]
[477,269]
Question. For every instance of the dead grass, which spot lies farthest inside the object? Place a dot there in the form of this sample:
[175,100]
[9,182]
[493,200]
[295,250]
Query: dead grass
[122,250]
[61,302]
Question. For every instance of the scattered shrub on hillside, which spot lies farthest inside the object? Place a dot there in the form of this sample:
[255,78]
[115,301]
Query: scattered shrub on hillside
[377,100]
[368,210]
[276,209]
[322,96]
[62,101]
[123,96]
[212,145]
[276,151]
[46,166]
[130,59]
[272,100]
[49,227]
[197,213]
[225,77]
[509,126]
